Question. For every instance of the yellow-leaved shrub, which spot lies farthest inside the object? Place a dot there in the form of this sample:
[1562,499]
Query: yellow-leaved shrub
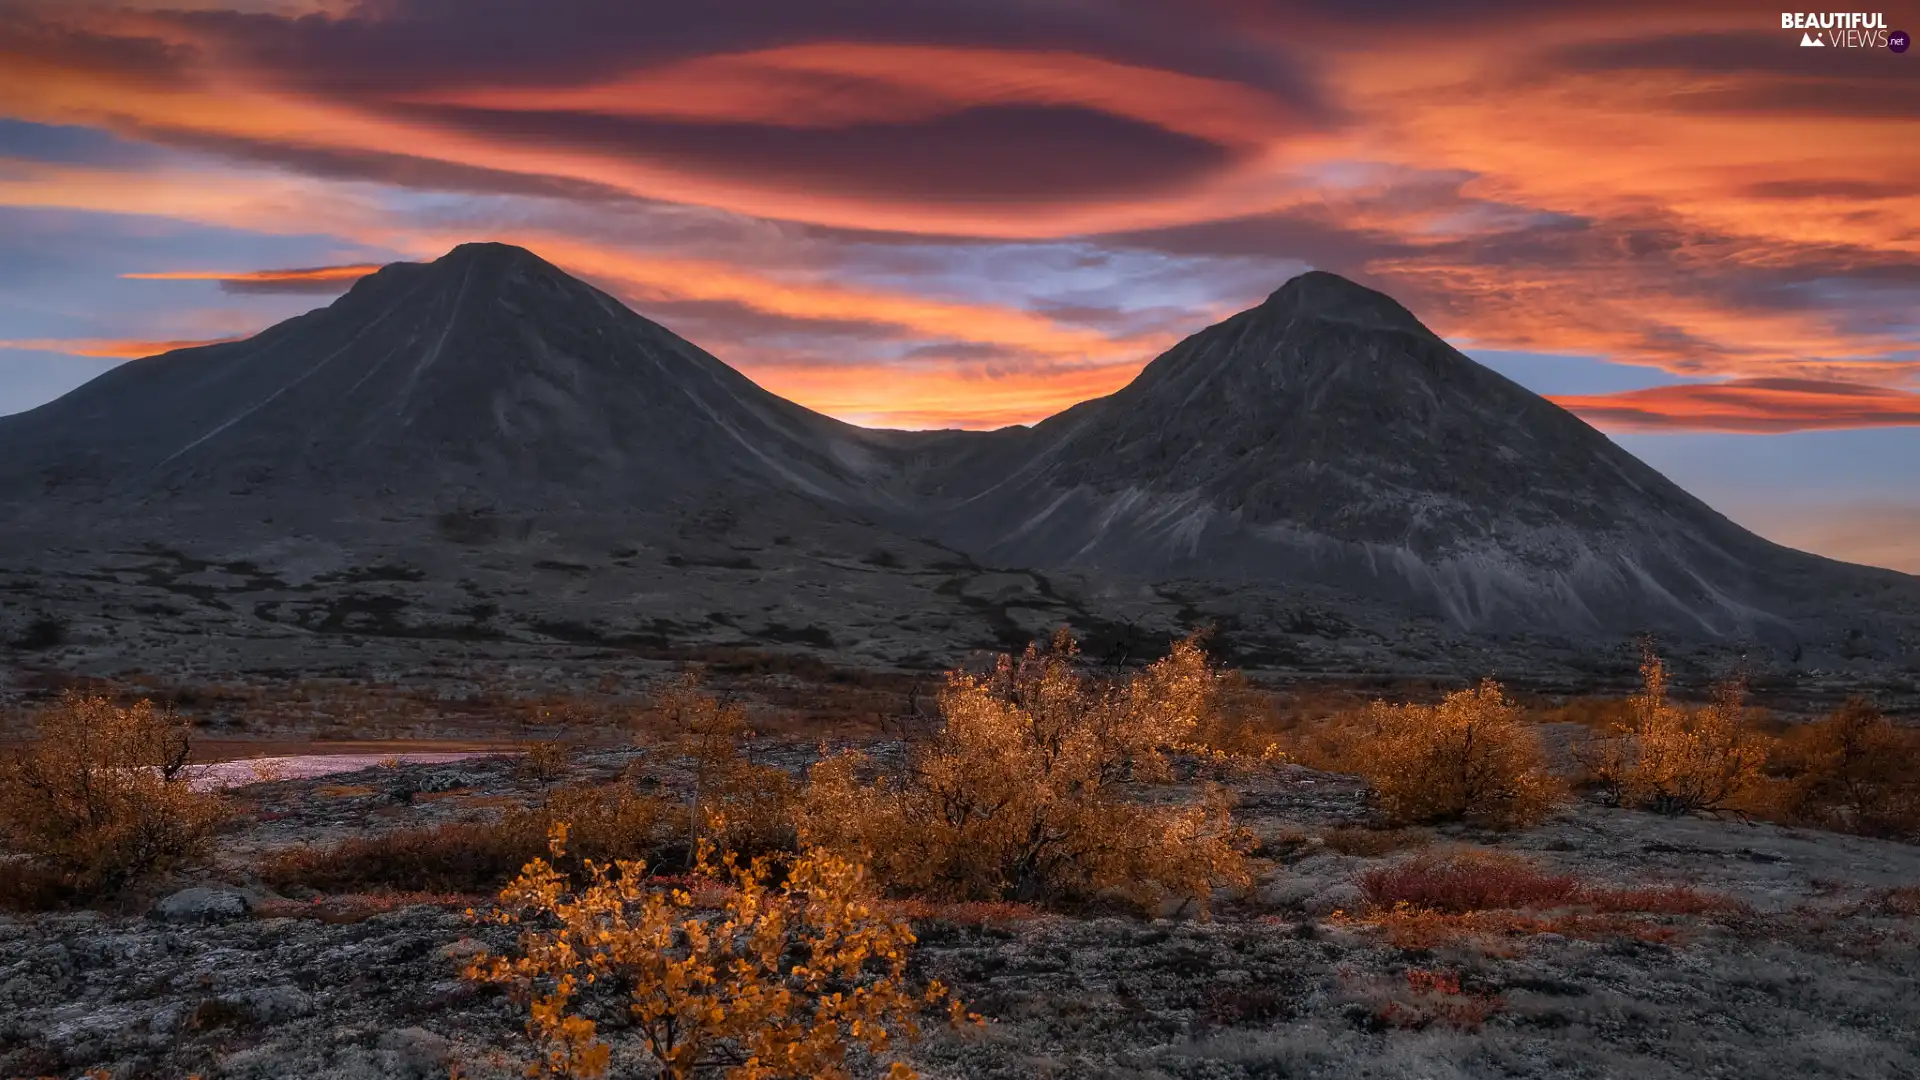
[779,982]
[1674,760]
[100,796]
[736,804]
[1470,758]
[1019,795]
[1854,771]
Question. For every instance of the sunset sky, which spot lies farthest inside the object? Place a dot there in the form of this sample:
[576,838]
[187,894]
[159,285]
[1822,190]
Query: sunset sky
[1673,219]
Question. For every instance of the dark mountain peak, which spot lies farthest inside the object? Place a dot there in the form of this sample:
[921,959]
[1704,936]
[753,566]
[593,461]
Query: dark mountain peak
[1321,344]
[488,264]
[491,254]
[1318,294]
[488,370]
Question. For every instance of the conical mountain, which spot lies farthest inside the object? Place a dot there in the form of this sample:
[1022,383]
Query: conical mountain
[486,376]
[1327,437]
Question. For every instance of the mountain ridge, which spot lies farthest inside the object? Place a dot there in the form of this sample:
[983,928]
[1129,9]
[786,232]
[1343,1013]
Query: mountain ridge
[1322,440]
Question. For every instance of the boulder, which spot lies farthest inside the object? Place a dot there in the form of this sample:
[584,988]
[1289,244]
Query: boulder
[201,905]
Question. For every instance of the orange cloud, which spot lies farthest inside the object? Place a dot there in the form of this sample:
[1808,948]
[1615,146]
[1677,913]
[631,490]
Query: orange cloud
[1611,181]
[315,279]
[835,84]
[317,273]
[110,348]
[264,203]
[1755,406]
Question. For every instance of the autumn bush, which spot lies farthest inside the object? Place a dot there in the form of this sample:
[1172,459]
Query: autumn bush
[99,795]
[1240,730]
[1853,771]
[1022,794]
[781,982]
[477,856]
[1470,758]
[546,761]
[735,803]
[1674,760]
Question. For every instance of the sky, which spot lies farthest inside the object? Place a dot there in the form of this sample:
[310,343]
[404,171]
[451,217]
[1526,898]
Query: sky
[1674,219]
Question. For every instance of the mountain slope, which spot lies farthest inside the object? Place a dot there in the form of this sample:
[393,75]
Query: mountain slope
[486,376]
[1327,436]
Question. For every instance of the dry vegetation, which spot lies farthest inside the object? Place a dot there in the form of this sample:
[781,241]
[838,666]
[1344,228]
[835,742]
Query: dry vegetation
[780,945]
[1019,796]
[1674,760]
[1492,901]
[1852,771]
[98,798]
[778,983]
[476,856]
[1470,758]
[736,804]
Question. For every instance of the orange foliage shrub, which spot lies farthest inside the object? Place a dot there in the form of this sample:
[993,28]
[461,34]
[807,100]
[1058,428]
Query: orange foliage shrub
[1019,796]
[546,761]
[1673,760]
[1856,772]
[100,795]
[736,804]
[1469,758]
[1238,731]
[780,983]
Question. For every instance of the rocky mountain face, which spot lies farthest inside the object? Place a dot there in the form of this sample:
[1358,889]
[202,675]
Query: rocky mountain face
[486,378]
[1327,436]
[486,434]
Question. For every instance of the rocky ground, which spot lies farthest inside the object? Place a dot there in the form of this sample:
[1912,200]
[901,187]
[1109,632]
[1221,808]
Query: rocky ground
[1814,972]
[552,600]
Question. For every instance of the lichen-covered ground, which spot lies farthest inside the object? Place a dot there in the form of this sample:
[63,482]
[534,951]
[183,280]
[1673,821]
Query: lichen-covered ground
[1817,975]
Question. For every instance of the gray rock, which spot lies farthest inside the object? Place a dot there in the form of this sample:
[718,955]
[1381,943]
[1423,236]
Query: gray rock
[201,905]
[1334,898]
[444,780]
[417,1053]
[270,1004]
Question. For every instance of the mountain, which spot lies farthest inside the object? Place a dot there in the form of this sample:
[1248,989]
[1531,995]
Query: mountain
[485,448]
[1327,436]
[488,376]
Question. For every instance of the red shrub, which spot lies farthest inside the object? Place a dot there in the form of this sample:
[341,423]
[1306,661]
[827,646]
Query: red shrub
[1467,880]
